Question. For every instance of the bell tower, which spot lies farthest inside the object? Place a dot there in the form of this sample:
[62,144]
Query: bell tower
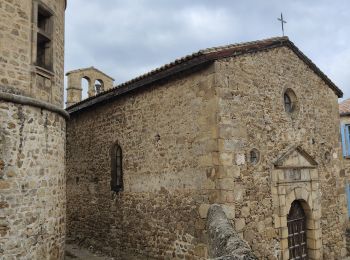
[32,129]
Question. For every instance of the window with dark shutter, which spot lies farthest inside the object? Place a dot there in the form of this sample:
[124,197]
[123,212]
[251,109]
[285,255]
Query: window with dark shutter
[345,138]
[347,187]
[44,51]
[117,169]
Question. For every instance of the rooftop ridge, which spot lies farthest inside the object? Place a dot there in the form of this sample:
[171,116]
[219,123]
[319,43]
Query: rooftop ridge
[197,58]
[241,44]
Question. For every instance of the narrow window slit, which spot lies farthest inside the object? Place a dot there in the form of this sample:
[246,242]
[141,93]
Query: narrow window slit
[117,169]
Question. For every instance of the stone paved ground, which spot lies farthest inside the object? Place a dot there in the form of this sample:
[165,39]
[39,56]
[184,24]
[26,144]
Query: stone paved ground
[74,252]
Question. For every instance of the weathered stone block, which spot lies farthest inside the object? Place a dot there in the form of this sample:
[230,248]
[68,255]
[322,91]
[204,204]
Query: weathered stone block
[203,210]
[239,224]
[229,210]
[226,159]
[225,184]
[4,185]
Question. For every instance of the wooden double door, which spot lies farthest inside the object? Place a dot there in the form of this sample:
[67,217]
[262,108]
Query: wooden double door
[296,222]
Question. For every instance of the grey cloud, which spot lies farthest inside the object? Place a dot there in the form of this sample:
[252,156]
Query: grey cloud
[128,38]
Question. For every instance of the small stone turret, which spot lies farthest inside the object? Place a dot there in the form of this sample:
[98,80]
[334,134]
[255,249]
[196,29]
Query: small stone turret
[98,82]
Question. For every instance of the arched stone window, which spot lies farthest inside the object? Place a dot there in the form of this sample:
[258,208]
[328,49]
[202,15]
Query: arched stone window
[254,156]
[117,168]
[290,101]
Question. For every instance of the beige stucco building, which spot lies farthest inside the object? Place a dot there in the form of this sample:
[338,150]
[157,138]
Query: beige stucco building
[32,130]
[253,127]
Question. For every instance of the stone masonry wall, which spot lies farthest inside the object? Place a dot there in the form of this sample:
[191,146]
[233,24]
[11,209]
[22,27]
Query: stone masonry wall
[32,183]
[251,115]
[18,74]
[32,140]
[167,136]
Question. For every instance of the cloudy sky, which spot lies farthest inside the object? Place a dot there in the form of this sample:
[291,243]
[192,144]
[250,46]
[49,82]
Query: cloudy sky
[128,38]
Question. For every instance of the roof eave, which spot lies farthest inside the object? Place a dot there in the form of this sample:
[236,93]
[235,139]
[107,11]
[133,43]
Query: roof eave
[115,92]
[198,59]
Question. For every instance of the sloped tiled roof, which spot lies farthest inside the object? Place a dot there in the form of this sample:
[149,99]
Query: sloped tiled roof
[201,57]
[344,107]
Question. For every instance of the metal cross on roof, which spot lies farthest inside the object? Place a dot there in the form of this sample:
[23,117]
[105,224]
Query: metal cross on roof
[282,22]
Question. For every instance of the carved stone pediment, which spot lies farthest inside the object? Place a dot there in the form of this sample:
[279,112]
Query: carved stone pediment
[295,158]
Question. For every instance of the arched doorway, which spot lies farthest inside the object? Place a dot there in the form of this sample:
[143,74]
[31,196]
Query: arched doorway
[296,222]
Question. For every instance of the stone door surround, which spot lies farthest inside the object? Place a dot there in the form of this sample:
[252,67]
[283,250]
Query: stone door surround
[295,177]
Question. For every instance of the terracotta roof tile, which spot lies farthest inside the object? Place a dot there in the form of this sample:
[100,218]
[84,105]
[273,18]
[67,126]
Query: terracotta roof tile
[344,107]
[201,57]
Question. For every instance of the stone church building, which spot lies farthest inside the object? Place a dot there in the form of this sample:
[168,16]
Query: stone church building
[253,127]
[132,170]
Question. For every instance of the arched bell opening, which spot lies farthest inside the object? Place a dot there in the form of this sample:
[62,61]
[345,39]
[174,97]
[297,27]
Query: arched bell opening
[99,86]
[85,84]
